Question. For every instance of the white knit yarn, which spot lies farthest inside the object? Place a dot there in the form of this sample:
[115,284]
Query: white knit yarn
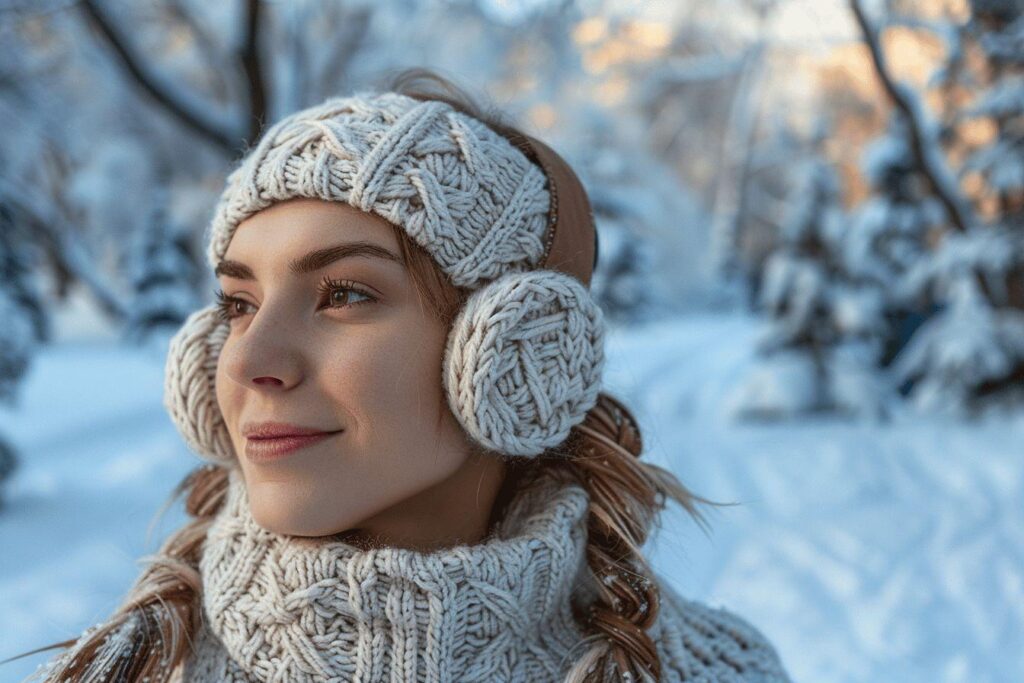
[279,608]
[189,390]
[460,190]
[524,359]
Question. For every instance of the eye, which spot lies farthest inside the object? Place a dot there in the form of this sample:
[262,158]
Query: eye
[334,293]
[329,288]
[226,305]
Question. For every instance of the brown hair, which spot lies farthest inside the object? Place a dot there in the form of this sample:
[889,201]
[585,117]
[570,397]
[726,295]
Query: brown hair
[150,634]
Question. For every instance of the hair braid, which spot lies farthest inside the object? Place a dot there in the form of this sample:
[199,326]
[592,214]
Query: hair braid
[626,496]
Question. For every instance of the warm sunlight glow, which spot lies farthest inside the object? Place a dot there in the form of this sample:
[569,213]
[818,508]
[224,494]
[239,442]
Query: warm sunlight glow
[590,31]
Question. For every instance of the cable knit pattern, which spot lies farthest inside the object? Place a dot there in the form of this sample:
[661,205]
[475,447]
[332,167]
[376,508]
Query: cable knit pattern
[296,609]
[190,395]
[460,190]
[523,361]
[279,608]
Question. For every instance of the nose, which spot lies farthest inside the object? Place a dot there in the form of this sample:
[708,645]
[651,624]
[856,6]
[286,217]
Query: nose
[266,354]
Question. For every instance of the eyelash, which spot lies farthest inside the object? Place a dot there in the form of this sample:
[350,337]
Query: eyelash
[327,286]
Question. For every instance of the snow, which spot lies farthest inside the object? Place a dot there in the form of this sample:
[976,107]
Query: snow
[18,339]
[955,351]
[895,549]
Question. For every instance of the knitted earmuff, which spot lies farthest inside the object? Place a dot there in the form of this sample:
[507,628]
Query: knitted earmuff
[508,219]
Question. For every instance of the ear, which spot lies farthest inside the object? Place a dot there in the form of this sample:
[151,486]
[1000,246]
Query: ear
[189,389]
[523,361]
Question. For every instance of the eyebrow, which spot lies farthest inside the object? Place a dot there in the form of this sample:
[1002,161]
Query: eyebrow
[313,261]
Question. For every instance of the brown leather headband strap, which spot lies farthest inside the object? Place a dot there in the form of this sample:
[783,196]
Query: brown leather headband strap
[571,245]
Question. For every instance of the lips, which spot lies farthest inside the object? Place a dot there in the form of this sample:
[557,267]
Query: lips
[267,449]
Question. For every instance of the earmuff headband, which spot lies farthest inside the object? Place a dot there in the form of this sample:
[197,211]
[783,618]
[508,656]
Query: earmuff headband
[571,244]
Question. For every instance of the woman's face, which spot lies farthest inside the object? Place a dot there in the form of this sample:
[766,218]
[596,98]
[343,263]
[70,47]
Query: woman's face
[361,358]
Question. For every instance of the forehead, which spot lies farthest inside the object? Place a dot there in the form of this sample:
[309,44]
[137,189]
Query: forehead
[300,224]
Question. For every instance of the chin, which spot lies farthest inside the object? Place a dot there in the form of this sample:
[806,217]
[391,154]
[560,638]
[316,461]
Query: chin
[284,517]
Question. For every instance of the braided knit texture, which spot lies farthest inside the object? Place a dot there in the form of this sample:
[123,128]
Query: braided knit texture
[460,190]
[279,608]
[292,609]
[524,360]
[190,395]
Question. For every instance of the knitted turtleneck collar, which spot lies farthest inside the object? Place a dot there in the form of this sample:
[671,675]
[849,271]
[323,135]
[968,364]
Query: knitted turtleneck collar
[288,608]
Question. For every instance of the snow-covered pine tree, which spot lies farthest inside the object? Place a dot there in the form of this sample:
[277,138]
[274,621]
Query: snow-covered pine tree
[999,27]
[162,270]
[889,234]
[16,276]
[814,352]
[971,355]
[764,202]
[626,259]
[25,324]
[968,356]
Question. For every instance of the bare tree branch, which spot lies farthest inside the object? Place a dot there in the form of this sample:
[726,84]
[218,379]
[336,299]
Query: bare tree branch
[224,72]
[224,140]
[350,33]
[929,163]
[737,147]
[68,255]
[249,56]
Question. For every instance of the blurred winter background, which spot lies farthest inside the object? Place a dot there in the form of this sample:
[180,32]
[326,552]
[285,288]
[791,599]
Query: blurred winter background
[811,218]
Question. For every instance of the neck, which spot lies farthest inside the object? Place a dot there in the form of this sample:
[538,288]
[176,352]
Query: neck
[457,510]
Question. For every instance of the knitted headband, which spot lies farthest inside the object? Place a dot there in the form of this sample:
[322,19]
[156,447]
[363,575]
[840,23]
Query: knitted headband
[506,219]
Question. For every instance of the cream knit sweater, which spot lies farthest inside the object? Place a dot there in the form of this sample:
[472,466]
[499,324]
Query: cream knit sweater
[279,608]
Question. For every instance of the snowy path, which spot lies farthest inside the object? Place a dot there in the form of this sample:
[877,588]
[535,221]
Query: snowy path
[889,552]
[99,456]
[865,552]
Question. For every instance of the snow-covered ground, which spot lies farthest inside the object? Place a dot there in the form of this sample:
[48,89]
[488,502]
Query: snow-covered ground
[885,552]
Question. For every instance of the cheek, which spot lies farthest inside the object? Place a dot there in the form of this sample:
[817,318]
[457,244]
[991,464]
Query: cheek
[228,394]
[387,380]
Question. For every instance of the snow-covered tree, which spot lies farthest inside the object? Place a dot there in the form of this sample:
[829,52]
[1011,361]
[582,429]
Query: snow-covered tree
[889,234]
[999,27]
[17,279]
[623,282]
[969,356]
[814,354]
[960,290]
[25,324]
[765,204]
[162,271]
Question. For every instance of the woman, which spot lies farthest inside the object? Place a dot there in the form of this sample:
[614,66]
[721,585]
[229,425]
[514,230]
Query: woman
[364,516]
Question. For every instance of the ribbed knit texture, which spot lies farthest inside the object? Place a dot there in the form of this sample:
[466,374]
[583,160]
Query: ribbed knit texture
[279,608]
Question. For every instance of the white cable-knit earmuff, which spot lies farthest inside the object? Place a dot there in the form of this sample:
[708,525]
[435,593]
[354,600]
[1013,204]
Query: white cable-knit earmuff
[190,395]
[524,360]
